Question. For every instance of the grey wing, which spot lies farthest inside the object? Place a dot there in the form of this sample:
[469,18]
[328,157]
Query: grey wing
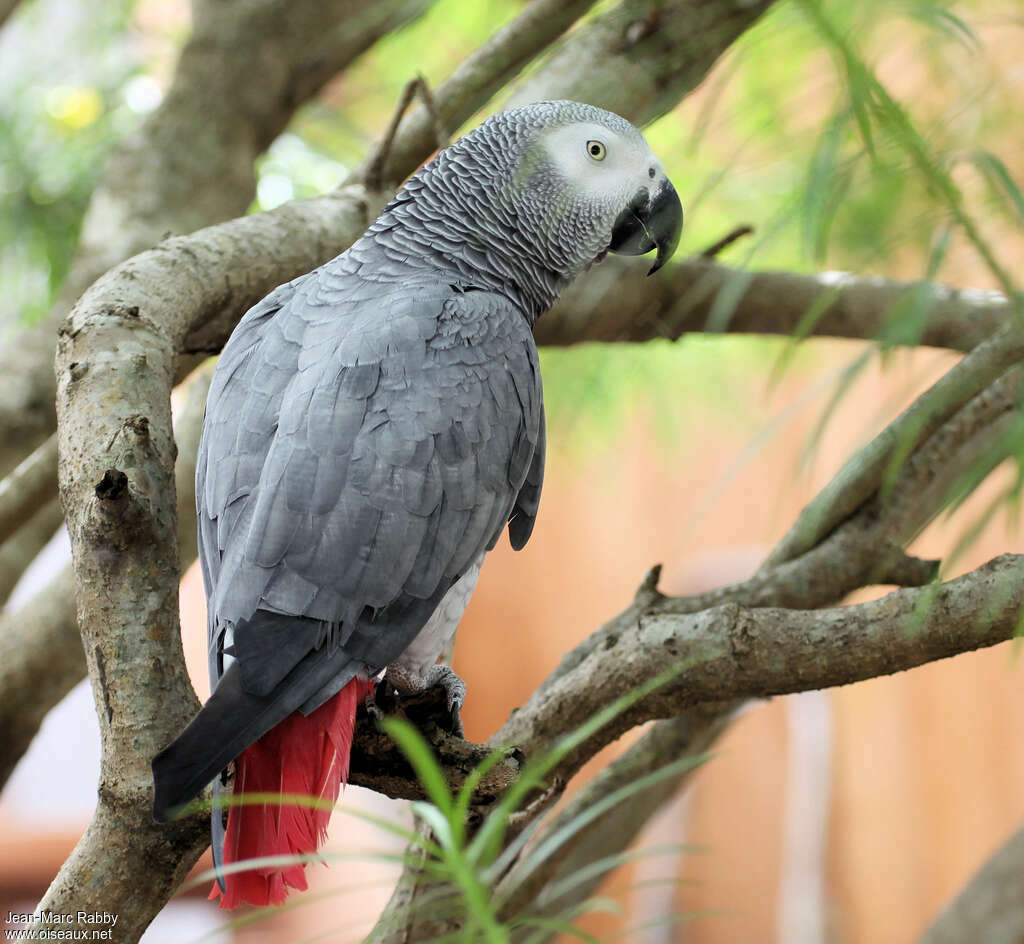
[524,514]
[237,432]
[403,441]
[362,448]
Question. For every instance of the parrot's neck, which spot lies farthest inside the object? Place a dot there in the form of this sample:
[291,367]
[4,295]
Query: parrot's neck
[439,224]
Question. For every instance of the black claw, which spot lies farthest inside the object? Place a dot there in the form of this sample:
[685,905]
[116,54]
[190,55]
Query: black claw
[443,677]
[455,724]
[373,710]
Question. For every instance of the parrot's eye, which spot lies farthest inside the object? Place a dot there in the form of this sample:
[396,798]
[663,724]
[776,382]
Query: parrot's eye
[596,150]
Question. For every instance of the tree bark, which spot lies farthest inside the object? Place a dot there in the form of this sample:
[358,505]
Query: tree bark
[618,302]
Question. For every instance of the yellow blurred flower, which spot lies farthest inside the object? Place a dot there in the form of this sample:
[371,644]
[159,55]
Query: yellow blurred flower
[74,107]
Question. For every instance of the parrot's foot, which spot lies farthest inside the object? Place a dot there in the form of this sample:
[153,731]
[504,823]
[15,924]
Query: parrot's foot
[438,679]
[444,677]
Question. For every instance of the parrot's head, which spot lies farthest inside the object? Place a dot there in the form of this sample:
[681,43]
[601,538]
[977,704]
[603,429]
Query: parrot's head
[533,197]
[589,180]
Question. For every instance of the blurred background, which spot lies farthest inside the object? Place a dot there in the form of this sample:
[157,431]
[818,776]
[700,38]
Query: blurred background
[844,816]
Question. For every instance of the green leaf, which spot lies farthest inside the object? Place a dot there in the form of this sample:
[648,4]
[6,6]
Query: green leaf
[548,846]
[419,754]
[1000,180]
[943,20]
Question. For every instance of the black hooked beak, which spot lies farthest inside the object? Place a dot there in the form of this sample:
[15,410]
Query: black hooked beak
[652,220]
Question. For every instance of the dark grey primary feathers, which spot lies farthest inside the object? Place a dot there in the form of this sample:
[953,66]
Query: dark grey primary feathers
[374,425]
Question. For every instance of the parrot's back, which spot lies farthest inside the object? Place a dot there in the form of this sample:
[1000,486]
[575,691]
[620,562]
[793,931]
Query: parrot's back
[366,441]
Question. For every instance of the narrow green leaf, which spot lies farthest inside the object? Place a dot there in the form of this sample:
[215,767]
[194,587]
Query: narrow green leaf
[549,845]
[943,20]
[1000,180]
[419,754]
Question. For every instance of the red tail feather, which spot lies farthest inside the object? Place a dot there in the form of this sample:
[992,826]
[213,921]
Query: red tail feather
[307,755]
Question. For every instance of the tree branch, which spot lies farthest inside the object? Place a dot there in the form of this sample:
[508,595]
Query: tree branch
[651,54]
[617,302]
[19,551]
[41,657]
[27,487]
[863,473]
[731,652]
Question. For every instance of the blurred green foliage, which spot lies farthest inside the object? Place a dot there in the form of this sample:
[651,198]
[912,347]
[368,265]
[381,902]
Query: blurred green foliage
[63,70]
[875,136]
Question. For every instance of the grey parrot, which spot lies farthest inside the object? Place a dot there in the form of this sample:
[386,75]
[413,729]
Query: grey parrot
[371,429]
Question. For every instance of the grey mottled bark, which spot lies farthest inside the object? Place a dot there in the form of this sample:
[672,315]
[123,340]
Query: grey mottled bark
[40,647]
[617,302]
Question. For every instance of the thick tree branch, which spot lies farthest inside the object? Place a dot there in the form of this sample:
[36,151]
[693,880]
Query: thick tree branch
[41,657]
[115,369]
[617,302]
[651,54]
[242,74]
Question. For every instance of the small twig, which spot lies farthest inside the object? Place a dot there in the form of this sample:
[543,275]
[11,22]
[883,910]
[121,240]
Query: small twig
[648,592]
[441,133]
[416,87]
[907,571]
[727,240]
